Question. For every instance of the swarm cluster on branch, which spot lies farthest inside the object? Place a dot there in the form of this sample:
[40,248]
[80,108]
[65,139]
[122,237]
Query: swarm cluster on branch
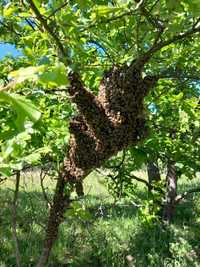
[109,122]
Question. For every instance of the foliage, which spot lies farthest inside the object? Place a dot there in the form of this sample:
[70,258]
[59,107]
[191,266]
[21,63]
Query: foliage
[97,35]
[56,38]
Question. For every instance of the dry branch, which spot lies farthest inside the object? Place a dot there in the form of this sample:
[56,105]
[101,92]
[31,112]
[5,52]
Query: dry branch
[186,194]
[42,177]
[14,219]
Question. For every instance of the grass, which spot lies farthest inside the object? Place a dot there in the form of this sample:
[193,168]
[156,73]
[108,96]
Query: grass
[99,232]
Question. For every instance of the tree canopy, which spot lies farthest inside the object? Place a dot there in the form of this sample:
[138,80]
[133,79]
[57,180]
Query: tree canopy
[95,78]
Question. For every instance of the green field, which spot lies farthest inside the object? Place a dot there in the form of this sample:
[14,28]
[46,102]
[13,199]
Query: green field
[98,231]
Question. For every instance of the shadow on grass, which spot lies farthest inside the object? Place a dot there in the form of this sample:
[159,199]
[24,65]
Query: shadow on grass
[31,219]
[112,237]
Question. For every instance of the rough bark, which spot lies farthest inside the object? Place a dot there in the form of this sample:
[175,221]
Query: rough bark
[60,203]
[171,182]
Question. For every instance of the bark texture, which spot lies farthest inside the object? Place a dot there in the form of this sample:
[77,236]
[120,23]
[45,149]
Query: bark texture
[171,193]
[60,202]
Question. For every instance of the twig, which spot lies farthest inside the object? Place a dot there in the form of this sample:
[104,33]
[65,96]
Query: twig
[138,35]
[58,9]
[10,28]
[154,4]
[127,13]
[141,61]
[44,23]
[3,179]
[139,179]
[125,35]
[30,24]
[120,164]
[42,177]
[14,219]
[185,77]
[8,86]
[156,23]
[185,194]
[97,44]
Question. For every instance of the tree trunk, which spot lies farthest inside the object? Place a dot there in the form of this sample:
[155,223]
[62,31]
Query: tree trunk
[106,124]
[79,188]
[153,173]
[171,183]
[60,202]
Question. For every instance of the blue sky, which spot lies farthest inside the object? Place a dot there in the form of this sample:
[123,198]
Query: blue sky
[8,49]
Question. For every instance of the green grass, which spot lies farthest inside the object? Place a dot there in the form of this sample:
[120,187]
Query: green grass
[104,234]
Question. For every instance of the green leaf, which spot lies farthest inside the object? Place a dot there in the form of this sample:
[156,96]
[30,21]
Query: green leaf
[23,74]
[9,10]
[173,5]
[5,170]
[56,76]
[79,210]
[18,166]
[193,6]
[139,156]
[103,11]
[37,3]
[23,107]
[35,157]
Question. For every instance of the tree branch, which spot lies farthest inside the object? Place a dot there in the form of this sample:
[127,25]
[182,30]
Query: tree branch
[156,23]
[61,202]
[44,23]
[194,77]
[154,4]
[127,13]
[42,177]
[139,179]
[141,61]
[186,194]
[58,9]
[96,43]
[14,219]
[10,28]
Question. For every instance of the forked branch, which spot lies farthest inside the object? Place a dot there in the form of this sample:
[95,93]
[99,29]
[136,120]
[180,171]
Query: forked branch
[143,59]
